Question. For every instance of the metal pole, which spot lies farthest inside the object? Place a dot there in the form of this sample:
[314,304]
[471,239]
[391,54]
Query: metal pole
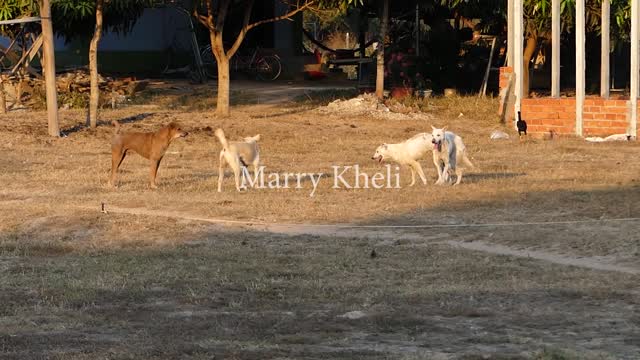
[518,53]
[580,64]
[510,32]
[555,48]
[635,37]
[605,49]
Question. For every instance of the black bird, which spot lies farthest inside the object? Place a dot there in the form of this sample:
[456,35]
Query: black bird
[522,125]
[373,254]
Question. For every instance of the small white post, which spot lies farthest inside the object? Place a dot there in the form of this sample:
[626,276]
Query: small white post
[605,49]
[580,64]
[518,64]
[635,37]
[555,48]
[510,32]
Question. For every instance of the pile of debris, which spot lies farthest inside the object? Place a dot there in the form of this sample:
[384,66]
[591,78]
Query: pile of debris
[368,105]
[80,81]
[73,89]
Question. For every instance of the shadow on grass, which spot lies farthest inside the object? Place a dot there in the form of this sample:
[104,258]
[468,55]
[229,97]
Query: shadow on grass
[127,120]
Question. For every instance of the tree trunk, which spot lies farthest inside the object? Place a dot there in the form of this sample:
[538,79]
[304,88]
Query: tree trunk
[94,98]
[49,68]
[380,51]
[222,105]
[3,99]
[529,50]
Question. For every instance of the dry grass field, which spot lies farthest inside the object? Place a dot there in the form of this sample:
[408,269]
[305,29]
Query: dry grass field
[535,255]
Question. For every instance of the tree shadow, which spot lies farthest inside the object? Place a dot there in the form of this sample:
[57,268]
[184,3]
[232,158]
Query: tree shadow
[84,127]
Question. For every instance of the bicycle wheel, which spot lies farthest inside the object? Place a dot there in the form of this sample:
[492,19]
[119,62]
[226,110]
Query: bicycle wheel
[209,64]
[268,68]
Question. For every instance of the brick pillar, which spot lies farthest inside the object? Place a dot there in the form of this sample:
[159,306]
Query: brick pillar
[505,71]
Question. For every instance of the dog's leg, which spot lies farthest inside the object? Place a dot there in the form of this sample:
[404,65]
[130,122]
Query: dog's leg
[154,172]
[221,171]
[116,160]
[445,175]
[413,174]
[415,167]
[237,169]
[256,162]
[466,160]
[458,175]
[436,161]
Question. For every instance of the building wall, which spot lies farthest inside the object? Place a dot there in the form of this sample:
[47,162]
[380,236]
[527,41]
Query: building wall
[601,117]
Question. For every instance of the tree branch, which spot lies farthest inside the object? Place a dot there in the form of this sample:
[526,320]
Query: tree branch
[205,20]
[298,8]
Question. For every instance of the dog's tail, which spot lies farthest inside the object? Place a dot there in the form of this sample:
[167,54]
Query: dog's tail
[223,140]
[468,162]
[117,125]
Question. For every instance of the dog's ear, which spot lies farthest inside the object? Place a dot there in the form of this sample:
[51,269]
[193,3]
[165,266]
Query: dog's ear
[385,146]
[444,128]
[433,128]
[257,137]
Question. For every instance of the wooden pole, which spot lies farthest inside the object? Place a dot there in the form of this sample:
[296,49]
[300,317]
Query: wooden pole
[518,54]
[380,51]
[510,32]
[3,98]
[635,37]
[49,68]
[555,48]
[605,49]
[580,63]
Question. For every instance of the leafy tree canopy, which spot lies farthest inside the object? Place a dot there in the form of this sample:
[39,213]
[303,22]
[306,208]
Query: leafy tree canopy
[76,18]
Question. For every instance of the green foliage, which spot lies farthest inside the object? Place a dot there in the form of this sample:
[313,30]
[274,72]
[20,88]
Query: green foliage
[76,18]
[537,15]
[11,9]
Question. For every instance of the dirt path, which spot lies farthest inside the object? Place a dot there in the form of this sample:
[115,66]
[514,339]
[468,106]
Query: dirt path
[387,233]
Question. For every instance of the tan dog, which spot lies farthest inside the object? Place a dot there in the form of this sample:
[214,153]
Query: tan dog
[237,154]
[150,145]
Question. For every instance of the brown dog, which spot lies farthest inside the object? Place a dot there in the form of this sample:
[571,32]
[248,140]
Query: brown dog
[150,145]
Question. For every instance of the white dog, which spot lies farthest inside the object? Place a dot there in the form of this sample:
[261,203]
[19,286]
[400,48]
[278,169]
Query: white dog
[407,153]
[237,154]
[449,149]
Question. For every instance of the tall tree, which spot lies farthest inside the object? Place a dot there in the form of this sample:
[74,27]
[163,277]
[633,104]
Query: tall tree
[73,18]
[213,16]
[94,97]
[80,15]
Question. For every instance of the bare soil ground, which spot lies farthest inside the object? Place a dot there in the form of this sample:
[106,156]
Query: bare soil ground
[156,277]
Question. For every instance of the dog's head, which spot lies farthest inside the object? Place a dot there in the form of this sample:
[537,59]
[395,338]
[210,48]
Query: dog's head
[381,152]
[252,139]
[437,137]
[175,131]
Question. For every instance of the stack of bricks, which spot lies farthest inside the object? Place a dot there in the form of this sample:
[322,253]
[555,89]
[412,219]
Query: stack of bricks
[601,117]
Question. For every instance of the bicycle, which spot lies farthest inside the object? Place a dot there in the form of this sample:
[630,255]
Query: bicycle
[266,67]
